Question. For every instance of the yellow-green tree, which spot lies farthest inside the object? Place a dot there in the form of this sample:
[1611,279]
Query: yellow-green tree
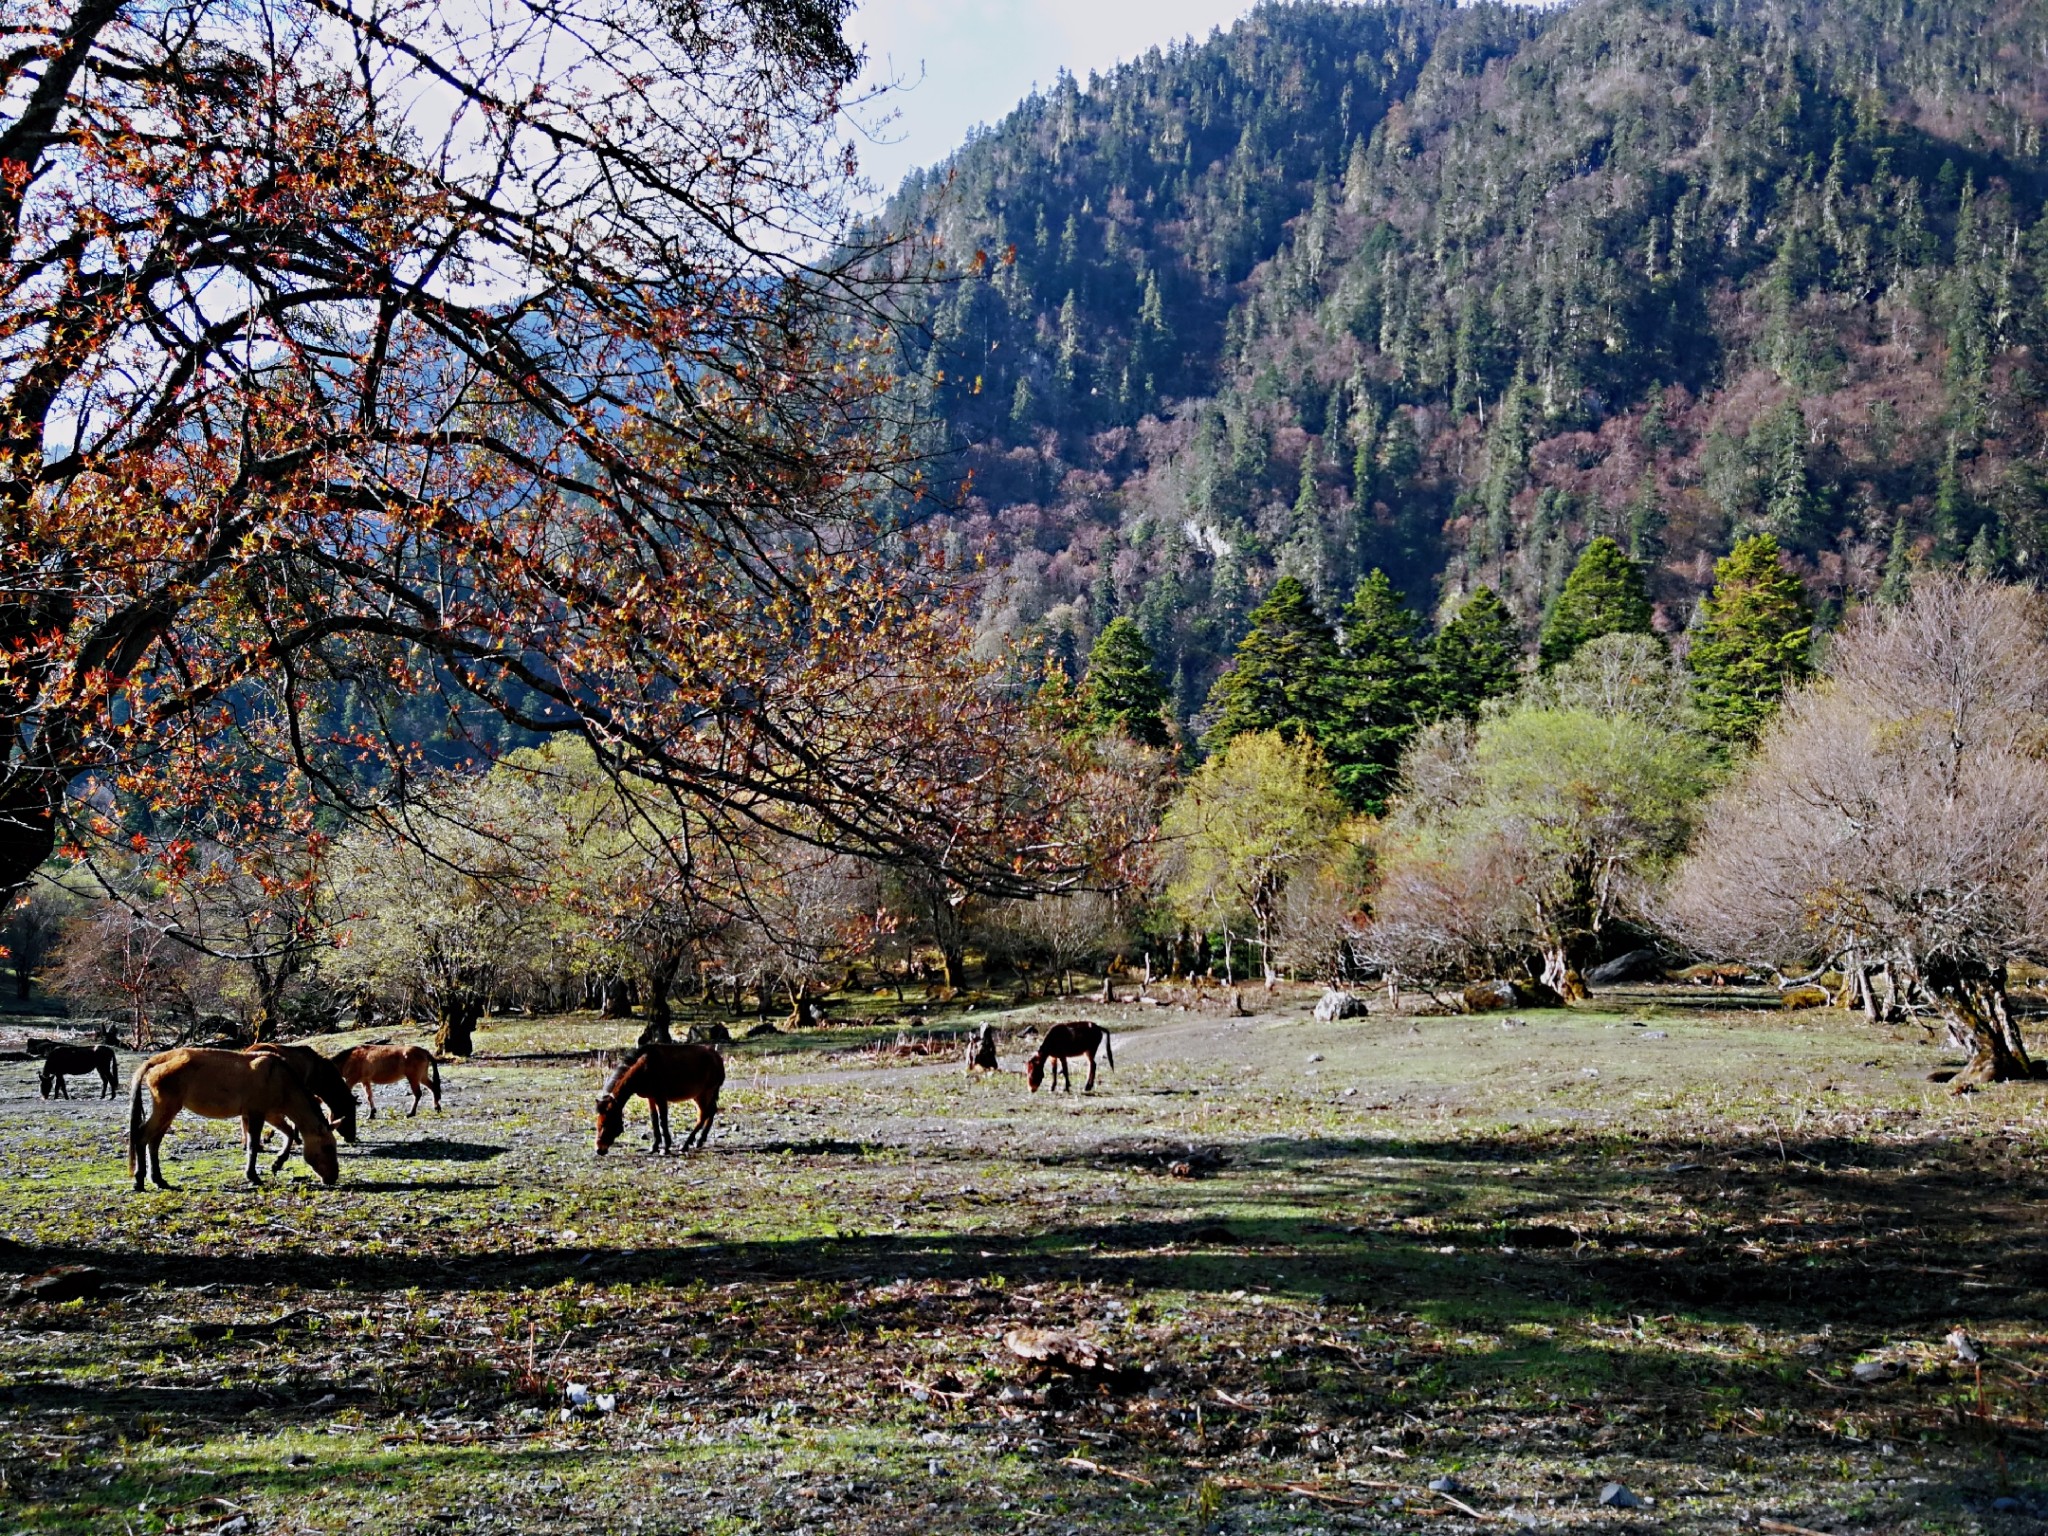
[1246,823]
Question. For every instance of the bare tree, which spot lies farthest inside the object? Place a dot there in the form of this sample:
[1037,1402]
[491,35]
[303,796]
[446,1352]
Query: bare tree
[1898,814]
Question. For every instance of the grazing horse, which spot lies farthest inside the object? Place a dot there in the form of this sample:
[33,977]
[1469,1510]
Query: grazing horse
[662,1074]
[253,1087]
[62,1061]
[1061,1041]
[323,1080]
[367,1066]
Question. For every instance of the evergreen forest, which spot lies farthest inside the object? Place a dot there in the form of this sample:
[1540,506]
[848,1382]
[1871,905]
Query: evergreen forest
[1451,292]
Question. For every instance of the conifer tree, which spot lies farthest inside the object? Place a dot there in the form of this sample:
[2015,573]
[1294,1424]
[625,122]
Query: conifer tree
[1384,688]
[1123,691]
[1286,675]
[1604,595]
[1897,583]
[1476,657]
[1753,641]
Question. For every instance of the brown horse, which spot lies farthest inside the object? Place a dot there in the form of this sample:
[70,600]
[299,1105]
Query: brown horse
[1080,1038]
[223,1085]
[368,1066]
[323,1080]
[662,1074]
[62,1061]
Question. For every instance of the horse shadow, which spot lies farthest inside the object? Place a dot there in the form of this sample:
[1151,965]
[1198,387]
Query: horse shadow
[436,1149]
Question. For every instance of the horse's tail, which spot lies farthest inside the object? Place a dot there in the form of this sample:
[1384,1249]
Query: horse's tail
[135,1119]
[113,1070]
[1108,1049]
[434,1073]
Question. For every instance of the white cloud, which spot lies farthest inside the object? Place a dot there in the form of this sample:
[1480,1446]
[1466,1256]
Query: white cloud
[964,62]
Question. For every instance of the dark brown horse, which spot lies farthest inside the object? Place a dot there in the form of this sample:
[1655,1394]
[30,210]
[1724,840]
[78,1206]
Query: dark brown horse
[324,1081]
[372,1065]
[223,1085]
[62,1061]
[1080,1038]
[662,1074]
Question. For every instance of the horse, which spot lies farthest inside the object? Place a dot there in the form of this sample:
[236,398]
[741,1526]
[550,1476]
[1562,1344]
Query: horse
[323,1080]
[662,1074]
[1079,1038]
[366,1066]
[62,1061]
[981,1051]
[255,1087]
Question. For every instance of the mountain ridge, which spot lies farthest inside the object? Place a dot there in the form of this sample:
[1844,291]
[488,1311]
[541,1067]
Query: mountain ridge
[1451,291]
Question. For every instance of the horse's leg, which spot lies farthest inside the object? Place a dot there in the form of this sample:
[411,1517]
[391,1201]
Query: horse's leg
[1090,1088]
[370,1096]
[253,1124]
[417,1093]
[707,1111]
[668,1138]
[291,1140]
[160,1118]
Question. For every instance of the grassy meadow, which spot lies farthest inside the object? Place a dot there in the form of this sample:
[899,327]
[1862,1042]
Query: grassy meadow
[1297,1271]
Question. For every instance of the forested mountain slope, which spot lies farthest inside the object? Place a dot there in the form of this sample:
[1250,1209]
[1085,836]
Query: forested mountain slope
[1451,291]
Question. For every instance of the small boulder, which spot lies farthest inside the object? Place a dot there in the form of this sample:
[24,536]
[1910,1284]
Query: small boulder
[1445,1484]
[1334,1005]
[1491,996]
[763,1028]
[1803,997]
[709,1034]
[1874,1373]
[1636,965]
[1617,1496]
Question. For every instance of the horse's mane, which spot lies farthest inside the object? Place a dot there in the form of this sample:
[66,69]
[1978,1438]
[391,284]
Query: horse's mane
[627,1068]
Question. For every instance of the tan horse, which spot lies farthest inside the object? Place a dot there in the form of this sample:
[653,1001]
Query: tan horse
[224,1085]
[323,1080]
[662,1074]
[368,1066]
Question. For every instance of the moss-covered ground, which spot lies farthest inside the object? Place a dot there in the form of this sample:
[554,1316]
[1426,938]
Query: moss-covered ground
[1645,1243]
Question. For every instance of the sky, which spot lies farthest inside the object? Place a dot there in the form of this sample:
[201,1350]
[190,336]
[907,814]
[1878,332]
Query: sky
[962,62]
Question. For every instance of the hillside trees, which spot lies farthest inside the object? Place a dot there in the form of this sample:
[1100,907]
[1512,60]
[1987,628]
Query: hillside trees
[1122,691]
[1604,595]
[1754,640]
[1475,658]
[1896,814]
[353,357]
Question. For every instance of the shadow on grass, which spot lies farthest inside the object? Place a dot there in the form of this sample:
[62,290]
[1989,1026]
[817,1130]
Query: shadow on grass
[433,1149]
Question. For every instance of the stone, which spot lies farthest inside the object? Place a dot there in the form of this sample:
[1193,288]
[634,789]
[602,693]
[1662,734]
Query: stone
[1491,996]
[2007,1505]
[1964,1346]
[1636,965]
[1445,1484]
[1874,1372]
[1617,1496]
[1334,1005]
[1803,997]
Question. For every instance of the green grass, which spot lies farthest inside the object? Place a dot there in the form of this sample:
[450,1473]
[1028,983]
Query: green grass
[1538,1256]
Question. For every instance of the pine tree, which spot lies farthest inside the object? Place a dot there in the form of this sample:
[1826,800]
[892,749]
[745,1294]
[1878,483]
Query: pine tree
[1123,691]
[1476,657]
[1384,687]
[1604,595]
[1754,640]
[1788,497]
[1286,675]
[1897,583]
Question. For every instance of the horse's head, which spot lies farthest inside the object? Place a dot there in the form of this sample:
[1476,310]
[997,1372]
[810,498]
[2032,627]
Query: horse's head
[611,1120]
[321,1156]
[344,1119]
[1034,1072]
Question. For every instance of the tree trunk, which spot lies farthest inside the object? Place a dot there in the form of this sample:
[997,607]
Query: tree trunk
[1560,977]
[661,976]
[1972,1003]
[459,1015]
[952,966]
[28,834]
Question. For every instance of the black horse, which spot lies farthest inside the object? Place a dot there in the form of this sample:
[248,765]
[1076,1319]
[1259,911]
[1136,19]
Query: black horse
[62,1061]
